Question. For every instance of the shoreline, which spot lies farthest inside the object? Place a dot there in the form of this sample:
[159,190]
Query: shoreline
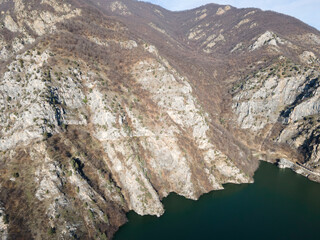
[299,169]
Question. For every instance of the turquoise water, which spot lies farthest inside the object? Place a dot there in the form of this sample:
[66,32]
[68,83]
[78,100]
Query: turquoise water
[279,205]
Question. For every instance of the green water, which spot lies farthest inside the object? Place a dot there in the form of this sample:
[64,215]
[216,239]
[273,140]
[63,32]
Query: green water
[279,205]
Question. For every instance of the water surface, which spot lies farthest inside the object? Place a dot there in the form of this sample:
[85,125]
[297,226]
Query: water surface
[279,205]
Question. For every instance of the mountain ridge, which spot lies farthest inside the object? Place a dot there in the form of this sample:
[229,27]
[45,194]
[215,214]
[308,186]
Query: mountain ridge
[109,106]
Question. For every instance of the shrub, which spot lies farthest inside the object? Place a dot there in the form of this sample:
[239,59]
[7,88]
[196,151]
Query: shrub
[106,219]
[103,237]
[16,175]
[91,214]
[51,231]
[47,135]
[21,63]
[6,219]
[76,164]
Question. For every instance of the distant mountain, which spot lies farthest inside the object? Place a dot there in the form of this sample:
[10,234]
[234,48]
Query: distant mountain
[108,106]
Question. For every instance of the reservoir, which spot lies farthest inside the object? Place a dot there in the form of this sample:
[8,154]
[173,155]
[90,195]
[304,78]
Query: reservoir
[280,204]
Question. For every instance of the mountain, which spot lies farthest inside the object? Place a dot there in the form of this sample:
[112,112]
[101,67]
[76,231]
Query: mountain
[108,106]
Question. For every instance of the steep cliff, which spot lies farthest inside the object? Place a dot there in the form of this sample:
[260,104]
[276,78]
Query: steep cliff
[108,106]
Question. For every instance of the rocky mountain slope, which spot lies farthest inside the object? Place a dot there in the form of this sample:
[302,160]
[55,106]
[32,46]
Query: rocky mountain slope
[108,106]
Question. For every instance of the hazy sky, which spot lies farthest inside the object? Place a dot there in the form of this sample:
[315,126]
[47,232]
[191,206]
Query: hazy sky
[306,10]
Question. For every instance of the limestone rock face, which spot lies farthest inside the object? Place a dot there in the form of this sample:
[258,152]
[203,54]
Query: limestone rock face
[30,21]
[119,7]
[3,223]
[262,100]
[268,38]
[110,106]
[268,101]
